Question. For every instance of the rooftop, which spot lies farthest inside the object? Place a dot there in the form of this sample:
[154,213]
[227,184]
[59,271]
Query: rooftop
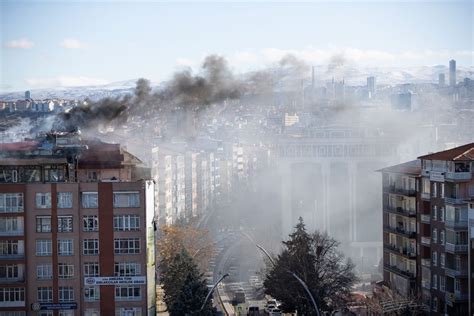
[411,167]
[461,153]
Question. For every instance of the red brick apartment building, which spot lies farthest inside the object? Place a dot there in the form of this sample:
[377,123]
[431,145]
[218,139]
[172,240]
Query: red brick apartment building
[428,219]
[76,229]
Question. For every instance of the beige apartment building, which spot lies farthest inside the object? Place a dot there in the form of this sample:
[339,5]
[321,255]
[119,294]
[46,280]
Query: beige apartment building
[76,229]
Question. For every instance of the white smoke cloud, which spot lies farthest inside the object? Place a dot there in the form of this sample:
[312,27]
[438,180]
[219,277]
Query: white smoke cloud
[72,43]
[21,43]
[64,81]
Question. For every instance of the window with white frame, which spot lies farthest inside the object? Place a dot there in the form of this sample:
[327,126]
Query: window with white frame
[43,247]
[43,224]
[127,268]
[64,199]
[44,294]
[11,225]
[441,190]
[44,271]
[90,246]
[127,245]
[441,237]
[441,214]
[434,257]
[127,199]
[434,211]
[65,223]
[91,293]
[434,281]
[126,222]
[11,202]
[434,190]
[43,200]
[66,294]
[65,271]
[442,284]
[90,223]
[89,200]
[128,311]
[10,247]
[12,294]
[91,269]
[442,259]
[127,293]
[65,247]
[435,235]
[9,271]
[91,312]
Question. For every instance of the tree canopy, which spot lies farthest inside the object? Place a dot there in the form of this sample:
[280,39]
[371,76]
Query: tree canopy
[315,259]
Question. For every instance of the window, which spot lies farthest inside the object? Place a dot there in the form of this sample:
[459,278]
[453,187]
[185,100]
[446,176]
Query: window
[434,258]
[11,202]
[45,313]
[65,271]
[91,293]
[90,223]
[65,247]
[434,281]
[90,200]
[44,294]
[126,222]
[434,189]
[44,271]
[93,175]
[43,224]
[66,294]
[64,199]
[10,248]
[434,211]
[435,235]
[43,200]
[128,311]
[43,247]
[441,237]
[90,246]
[441,214]
[457,285]
[11,225]
[125,293]
[91,312]
[442,286]
[126,199]
[91,269]
[127,269]
[65,224]
[12,294]
[13,313]
[442,259]
[66,312]
[441,190]
[9,271]
[127,245]
[435,304]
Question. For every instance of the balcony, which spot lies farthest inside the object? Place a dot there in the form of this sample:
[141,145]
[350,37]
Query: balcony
[11,233]
[400,231]
[425,196]
[455,272]
[12,256]
[395,269]
[20,279]
[425,219]
[426,263]
[400,210]
[460,224]
[455,248]
[426,241]
[458,176]
[455,200]
[407,252]
[456,297]
[401,191]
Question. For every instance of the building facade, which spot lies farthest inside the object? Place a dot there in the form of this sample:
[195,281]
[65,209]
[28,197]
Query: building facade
[76,229]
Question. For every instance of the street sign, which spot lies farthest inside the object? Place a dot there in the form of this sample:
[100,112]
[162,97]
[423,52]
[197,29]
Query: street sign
[53,306]
[133,280]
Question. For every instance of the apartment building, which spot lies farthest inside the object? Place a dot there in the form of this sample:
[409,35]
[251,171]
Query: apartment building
[76,229]
[438,229]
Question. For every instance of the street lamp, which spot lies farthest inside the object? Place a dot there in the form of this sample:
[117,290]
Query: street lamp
[209,294]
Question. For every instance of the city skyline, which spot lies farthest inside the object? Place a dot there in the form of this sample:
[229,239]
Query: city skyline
[70,47]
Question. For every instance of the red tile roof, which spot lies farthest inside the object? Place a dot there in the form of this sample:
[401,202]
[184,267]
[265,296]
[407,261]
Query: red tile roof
[461,153]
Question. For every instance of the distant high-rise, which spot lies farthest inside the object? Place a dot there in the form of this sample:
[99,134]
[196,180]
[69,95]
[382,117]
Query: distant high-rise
[371,86]
[27,95]
[452,72]
[312,77]
[441,80]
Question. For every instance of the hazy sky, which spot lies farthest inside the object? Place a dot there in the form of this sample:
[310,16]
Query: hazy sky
[59,43]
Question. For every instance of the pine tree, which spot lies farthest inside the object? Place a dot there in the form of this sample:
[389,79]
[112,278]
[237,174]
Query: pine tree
[184,287]
[313,258]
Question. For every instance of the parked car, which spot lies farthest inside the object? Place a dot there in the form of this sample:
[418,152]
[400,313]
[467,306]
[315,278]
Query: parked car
[253,311]
[275,312]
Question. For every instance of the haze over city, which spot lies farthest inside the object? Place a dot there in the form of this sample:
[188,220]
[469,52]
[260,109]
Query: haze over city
[236,158]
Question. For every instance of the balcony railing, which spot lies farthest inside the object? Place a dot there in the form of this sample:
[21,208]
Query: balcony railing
[454,200]
[426,219]
[395,269]
[458,176]
[426,263]
[426,241]
[399,230]
[12,233]
[12,280]
[12,257]
[455,272]
[400,210]
[456,296]
[425,196]
[411,253]
[402,191]
[456,224]
[455,248]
